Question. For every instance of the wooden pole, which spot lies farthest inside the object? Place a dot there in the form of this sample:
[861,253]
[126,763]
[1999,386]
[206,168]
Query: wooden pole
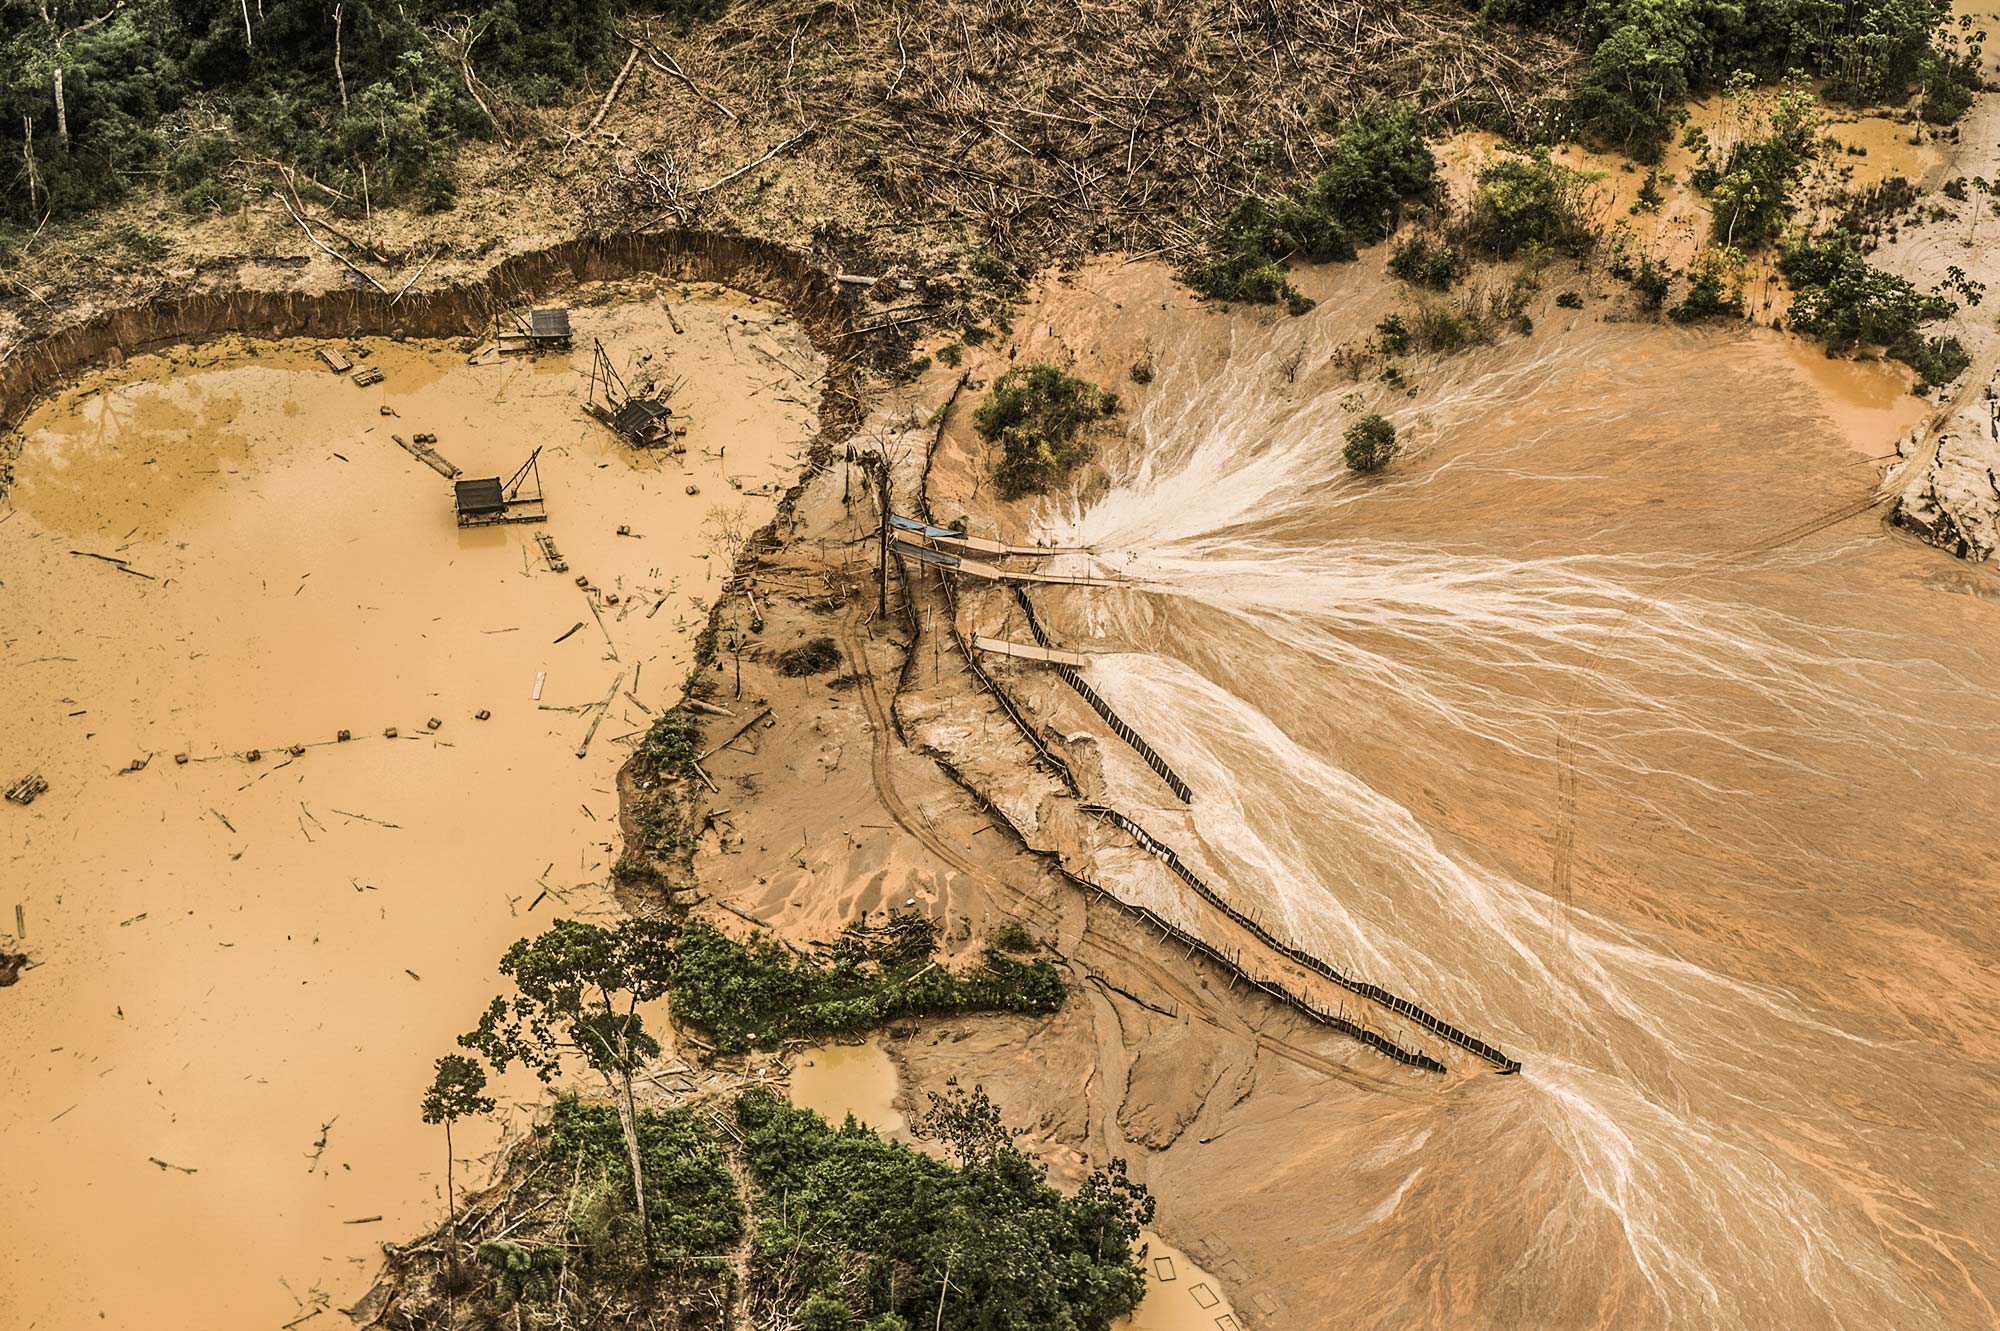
[882,491]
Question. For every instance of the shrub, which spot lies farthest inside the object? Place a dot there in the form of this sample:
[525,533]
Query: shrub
[1427,260]
[1377,163]
[1528,200]
[1371,442]
[1569,300]
[1652,282]
[1938,359]
[1713,291]
[1392,335]
[1038,415]
[809,658]
[1440,327]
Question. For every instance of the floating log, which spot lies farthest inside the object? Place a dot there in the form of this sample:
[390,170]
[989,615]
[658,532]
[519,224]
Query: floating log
[429,456]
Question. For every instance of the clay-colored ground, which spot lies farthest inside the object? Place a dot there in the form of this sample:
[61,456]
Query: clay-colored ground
[236,963]
[1608,723]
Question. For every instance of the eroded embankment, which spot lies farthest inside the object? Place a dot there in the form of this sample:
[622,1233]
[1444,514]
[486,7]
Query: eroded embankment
[756,267]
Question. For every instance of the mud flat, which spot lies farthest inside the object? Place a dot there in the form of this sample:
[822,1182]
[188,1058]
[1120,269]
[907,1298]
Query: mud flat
[1611,722]
[241,971]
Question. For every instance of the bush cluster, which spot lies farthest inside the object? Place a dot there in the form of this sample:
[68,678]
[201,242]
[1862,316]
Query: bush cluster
[1528,201]
[856,1233]
[1040,417]
[1377,165]
[1846,302]
[754,994]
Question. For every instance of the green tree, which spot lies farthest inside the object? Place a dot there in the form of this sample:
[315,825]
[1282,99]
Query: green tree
[579,987]
[457,1090]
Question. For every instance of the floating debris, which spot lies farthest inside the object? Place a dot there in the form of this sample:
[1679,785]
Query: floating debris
[25,790]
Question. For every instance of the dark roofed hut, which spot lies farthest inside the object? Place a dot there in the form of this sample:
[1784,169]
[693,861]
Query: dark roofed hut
[485,501]
[537,330]
[549,328]
[480,499]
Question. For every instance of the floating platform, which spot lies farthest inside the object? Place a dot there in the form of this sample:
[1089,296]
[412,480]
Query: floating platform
[336,362]
[981,543]
[540,330]
[1028,651]
[486,502]
[642,419]
[366,375]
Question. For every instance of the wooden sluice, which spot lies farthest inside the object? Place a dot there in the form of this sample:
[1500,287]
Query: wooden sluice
[1373,992]
[1103,709]
[994,573]
[1050,758]
[945,535]
[1026,652]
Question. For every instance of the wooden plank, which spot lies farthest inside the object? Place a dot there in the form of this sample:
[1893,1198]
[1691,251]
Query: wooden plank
[429,456]
[1028,651]
[336,362]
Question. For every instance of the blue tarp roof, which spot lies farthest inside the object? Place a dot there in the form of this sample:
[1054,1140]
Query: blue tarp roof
[901,523]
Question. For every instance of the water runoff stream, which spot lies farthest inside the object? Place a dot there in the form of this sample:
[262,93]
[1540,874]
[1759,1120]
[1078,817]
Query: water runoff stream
[1571,729]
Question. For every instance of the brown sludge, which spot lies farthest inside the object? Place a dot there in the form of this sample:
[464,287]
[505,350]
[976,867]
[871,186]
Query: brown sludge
[226,951]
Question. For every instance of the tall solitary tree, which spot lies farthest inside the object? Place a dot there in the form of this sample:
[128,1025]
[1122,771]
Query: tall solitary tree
[458,1089]
[580,987]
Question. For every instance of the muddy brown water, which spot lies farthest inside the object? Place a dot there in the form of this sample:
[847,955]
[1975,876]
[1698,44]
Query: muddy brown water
[242,971]
[836,1080]
[1610,726]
